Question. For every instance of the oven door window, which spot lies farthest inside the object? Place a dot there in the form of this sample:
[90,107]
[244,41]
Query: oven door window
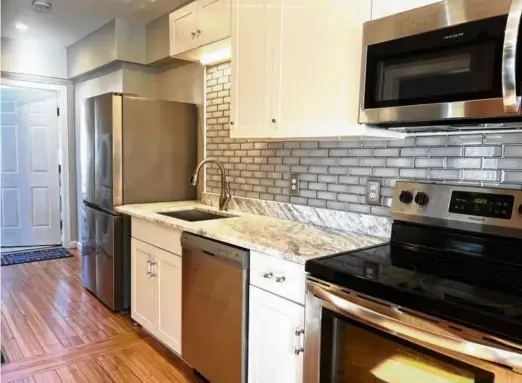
[354,353]
[428,68]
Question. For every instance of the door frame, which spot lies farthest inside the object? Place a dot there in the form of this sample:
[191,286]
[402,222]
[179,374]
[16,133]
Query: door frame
[64,131]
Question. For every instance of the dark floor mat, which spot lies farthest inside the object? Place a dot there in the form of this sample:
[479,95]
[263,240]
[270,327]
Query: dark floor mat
[34,256]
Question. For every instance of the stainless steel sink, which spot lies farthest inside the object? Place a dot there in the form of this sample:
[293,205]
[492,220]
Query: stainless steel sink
[195,215]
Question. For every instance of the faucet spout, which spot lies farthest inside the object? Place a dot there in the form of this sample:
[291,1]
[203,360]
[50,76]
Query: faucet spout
[225,196]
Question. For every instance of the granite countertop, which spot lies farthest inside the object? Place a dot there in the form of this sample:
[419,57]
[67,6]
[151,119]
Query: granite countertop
[296,242]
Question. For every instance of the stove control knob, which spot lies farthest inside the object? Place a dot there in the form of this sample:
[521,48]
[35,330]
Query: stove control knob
[422,199]
[406,196]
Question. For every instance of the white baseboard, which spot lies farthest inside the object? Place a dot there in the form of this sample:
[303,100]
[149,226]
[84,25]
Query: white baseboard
[75,245]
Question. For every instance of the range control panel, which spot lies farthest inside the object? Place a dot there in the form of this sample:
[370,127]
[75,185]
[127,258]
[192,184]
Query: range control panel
[482,204]
[487,210]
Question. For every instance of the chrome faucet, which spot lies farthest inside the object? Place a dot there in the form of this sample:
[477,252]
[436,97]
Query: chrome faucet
[225,196]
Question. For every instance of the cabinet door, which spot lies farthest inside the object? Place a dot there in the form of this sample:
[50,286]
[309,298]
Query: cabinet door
[252,67]
[316,84]
[166,272]
[383,8]
[142,310]
[213,20]
[183,29]
[273,340]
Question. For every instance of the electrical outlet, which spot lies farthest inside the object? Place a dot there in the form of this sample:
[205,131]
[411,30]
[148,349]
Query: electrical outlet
[373,192]
[294,184]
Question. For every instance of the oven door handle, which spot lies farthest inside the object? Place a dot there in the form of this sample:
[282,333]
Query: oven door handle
[414,333]
[509,57]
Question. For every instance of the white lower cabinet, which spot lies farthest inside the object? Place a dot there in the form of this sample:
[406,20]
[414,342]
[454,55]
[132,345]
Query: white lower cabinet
[168,298]
[276,339]
[156,292]
[142,285]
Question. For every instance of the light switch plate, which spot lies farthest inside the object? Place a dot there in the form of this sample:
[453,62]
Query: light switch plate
[373,192]
[294,184]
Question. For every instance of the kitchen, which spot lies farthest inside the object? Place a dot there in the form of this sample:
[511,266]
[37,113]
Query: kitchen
[236,284]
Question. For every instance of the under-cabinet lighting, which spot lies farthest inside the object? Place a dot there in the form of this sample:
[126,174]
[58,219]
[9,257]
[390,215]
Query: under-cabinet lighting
[217,56]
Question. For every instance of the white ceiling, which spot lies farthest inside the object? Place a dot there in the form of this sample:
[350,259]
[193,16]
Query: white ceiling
[70,20]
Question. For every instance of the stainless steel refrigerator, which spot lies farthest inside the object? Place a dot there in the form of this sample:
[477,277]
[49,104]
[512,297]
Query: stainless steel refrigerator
[134,150]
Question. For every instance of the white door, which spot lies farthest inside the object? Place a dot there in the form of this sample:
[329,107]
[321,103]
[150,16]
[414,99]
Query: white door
[253,31]
[183,29]
[213,20]
[273,341]
[30,180]
[166,273]
[329,102]
[142,295]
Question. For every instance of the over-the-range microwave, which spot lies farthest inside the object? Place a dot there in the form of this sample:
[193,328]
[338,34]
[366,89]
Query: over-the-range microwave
[455,63]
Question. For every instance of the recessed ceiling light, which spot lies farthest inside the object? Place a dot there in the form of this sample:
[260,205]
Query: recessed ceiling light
[21,26]
[42,5]
[152,1]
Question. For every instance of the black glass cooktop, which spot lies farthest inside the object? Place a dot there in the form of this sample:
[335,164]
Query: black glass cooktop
[476,282]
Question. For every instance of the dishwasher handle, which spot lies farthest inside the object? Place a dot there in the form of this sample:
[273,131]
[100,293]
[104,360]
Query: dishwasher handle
[232,254]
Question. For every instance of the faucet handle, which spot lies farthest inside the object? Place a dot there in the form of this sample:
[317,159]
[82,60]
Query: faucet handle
[193,181]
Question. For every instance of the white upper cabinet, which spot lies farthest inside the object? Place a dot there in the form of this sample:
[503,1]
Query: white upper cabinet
[198,24]
[296,69]
[183,29]
[252,65]
[383,8]
[318,66]
[213,20]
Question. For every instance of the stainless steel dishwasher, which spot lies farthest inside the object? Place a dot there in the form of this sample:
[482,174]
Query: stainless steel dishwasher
[215,309]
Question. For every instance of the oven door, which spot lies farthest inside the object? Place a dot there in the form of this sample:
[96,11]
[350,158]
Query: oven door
[462,71]
[349,338]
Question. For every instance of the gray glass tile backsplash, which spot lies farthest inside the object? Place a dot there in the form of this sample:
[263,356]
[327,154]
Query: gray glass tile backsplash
[333,174]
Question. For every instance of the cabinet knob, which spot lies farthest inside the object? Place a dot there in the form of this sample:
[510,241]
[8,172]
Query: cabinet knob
[299,350]
[198,32]
[231,122]
[193,34]
[280,279]
[274,120]
[268,275]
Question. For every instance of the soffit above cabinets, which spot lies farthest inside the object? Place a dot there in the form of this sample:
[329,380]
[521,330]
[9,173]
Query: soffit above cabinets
[71,20]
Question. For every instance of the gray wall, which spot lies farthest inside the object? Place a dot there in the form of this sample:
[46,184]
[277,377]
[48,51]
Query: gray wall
[120,39]
[33,57]
[333,174]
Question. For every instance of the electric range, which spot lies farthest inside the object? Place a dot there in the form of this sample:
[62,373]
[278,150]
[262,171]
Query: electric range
[449,281]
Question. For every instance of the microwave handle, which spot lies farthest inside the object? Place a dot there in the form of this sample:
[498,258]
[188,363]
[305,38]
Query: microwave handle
[391,325]
[509,56]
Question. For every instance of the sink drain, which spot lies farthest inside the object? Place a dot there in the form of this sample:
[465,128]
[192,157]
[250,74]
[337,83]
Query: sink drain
[4,356]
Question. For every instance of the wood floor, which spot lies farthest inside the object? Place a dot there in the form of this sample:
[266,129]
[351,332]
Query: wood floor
[55,331]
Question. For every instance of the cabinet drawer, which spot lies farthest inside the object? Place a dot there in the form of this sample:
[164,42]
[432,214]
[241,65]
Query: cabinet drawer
[283,278]
[155,234]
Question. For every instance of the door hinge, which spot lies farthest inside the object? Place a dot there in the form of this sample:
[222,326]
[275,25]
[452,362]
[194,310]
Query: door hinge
[61,224]
[58,111]
[59,169]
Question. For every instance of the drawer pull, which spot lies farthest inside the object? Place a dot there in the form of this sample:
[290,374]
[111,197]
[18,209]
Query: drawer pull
[268,275]
[280,279]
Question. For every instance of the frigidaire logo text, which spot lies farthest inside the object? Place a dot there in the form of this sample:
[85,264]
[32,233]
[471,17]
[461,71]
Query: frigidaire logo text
[454,36]
[477,219]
